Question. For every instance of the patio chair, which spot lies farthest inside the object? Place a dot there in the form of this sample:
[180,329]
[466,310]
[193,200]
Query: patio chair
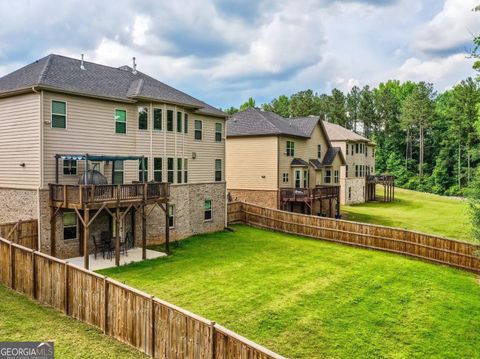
[107,243]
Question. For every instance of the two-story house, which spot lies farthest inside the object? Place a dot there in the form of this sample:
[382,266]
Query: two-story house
[360,163]
[282,163]
[60,117]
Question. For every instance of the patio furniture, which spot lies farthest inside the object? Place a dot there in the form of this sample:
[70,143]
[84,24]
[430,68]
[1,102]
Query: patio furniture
[96,248]
[107,244]
[129,240]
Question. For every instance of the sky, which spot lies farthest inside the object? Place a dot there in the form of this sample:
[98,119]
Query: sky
[225,51]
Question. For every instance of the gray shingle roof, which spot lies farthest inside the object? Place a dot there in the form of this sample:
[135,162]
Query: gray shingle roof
[305,124]
[255,122]
[330,155]
[316,163]
[64,74]
[338,133]
[298,162]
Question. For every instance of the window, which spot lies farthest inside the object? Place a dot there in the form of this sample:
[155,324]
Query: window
[207,210]
[157,169]
[157,119]
[319,151]
[346,171]
[349,192]
[285,178]
[185,170]
[218,170]
[347,148]
[70,167]
[59,114]
[336,177]
[198,129]
[357,148]
[356,170]
[373,152]
[171,216]
[179,170]
[353,147]
[142,168]
[305,179]
[290,148]
[179,121]
[185,123]
[328,176]
[297,178]
[69,225]
[218,132]
[170,170]
[142,118]
[366,151]
[120,121]
[117,172]
[169,120]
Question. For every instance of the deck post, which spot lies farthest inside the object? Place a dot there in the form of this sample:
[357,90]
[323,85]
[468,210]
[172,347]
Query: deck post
[56,169]
[167,229]
[52,231]
[117,237]
[86,236]
[144,233]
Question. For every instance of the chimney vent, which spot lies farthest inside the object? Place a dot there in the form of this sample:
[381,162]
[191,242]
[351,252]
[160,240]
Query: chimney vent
[82,67]
[134,67]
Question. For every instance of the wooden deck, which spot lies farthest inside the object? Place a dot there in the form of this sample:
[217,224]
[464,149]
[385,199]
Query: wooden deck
[309,194]
[112,196]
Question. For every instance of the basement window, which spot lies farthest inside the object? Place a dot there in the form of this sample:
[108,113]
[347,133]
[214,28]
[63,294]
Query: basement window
[171,216]
[70,227]
[207,210]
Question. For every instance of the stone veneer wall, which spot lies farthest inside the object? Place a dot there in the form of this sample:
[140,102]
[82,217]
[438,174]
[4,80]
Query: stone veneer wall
[264,198]
[188,200]
[358,190]
[17,204]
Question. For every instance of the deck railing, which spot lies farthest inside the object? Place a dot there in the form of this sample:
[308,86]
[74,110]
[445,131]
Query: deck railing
[94,194]
[303,194]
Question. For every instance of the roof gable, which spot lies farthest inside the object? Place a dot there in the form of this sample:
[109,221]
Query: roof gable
[338,133]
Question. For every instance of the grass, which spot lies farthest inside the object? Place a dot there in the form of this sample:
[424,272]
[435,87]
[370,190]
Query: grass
[424,212]
[22,319]
[311,299]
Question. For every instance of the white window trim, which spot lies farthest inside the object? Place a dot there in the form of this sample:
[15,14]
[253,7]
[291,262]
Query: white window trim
[195,130]
[173,216]
[76,225]
[115,121]
[211,211]
[63,167]
[138,119]
[162,125]
[51,114]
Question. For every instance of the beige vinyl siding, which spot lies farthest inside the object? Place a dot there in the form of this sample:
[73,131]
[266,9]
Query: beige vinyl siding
[20,141]
[91,129]
[306,149]
[252,163]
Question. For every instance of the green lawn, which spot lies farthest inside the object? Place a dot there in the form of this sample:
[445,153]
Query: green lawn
[311,299]
[418,211]
[22,319]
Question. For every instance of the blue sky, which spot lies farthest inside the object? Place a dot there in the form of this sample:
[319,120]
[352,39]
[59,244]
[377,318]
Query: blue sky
[224,51]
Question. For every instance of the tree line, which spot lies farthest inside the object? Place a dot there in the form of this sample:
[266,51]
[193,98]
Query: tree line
[428,140]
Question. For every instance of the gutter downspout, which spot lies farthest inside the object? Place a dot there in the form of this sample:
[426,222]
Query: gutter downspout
[40,179]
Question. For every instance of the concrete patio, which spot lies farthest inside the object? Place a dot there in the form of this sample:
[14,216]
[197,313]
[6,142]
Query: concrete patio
[133,255]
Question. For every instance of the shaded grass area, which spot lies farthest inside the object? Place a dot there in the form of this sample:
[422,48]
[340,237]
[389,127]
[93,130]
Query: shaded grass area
[22,319]
[311,299]
[424,212]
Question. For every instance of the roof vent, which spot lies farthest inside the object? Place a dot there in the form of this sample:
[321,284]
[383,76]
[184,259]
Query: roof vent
[82,67]
[134,67]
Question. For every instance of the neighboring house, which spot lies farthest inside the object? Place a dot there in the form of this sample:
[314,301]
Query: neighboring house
[58,111]
[360,156]
[282,163]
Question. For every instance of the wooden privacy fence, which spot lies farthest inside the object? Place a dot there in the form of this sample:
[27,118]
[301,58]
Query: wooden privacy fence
[433,248]
[151,325]
[24,233]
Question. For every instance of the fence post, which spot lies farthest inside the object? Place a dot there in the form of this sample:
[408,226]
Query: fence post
[105,305]
[214,341]
[66,288]
[34,276]
[152,337]
[12,266]
[17,232]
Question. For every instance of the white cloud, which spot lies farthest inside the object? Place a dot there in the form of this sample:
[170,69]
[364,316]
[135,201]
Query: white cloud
[451,28]
[442,71]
